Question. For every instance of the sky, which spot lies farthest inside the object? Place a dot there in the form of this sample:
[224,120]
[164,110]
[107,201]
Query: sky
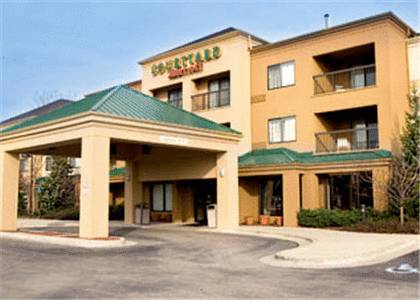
[65,49]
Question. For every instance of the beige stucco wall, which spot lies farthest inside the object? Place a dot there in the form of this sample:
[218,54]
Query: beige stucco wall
[299,100]
[235,60]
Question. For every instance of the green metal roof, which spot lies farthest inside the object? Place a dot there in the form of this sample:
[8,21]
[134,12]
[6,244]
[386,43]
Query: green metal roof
[126,102]
[287,156]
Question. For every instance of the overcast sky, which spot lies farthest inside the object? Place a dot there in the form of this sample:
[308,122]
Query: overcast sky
[67,49]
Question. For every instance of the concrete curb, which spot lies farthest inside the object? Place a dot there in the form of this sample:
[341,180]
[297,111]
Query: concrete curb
[66,241]
[288,258]
[378,256]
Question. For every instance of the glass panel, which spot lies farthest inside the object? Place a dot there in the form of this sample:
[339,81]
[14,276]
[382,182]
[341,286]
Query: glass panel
[274,77]
[358,78]
[288,74]
[158,197]
[224,83]
[168,197]
[175,97]
[224,97]
[275,131]
[360,136]
[271,198]
[289,129]
[213,97]
[370,76]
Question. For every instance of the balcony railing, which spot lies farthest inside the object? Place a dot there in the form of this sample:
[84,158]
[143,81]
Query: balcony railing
[347,140]
[342,80]
[211,100]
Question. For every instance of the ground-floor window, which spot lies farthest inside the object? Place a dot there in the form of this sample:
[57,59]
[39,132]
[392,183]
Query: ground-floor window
[161,197]
[271,196]
[346,191]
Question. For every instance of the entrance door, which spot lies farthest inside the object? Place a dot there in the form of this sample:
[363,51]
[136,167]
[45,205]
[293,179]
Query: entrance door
[204,194]
[271,197]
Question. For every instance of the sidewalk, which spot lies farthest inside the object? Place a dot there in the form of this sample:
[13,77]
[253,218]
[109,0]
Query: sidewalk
[324,248]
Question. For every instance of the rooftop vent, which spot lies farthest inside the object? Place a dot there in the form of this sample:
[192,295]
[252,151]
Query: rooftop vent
[327,20]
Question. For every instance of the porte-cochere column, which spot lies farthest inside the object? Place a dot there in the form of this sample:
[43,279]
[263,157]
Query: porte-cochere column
[9,190]
[227,190]
[94,188]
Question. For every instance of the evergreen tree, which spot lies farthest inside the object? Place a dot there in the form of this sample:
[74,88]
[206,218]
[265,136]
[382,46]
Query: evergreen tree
[404,185]
[410,137]
[57,190]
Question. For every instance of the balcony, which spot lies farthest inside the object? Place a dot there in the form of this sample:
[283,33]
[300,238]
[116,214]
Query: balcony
[356,139]
[211,100]
[343,80]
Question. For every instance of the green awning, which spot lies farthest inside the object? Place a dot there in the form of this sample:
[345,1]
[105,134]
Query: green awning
[280,156]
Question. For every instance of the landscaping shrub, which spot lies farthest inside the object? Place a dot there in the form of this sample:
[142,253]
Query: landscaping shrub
[376,221]
[22,204]
[328,217]
[69,213]
[116,212]
[390,225]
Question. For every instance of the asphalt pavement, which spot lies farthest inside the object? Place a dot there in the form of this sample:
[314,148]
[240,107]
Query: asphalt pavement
[182,263]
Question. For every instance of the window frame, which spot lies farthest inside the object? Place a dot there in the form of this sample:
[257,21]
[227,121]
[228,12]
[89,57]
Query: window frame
[178,89]
[164,183]
[279,64]
[281,118]
[218,91]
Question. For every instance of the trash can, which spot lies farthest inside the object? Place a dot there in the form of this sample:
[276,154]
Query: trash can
[142,215]
[211,215]
[137,215]
[145,216]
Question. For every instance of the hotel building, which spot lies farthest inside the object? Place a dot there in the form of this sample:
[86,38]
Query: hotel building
[260,129]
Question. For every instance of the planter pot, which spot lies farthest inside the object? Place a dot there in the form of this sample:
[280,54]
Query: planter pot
[264,220]
[249,220]
[277,221]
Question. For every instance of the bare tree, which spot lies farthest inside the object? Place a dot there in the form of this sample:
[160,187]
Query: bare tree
[401,184]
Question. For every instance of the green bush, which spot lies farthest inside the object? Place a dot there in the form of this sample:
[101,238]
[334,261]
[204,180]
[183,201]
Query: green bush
[22,204]
[69,213]
[390,225]
[328,217]
[412,208]
[116,212]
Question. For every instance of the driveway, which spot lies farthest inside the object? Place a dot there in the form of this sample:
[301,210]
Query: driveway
[182,262]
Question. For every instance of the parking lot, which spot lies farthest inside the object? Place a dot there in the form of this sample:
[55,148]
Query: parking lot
[182,262]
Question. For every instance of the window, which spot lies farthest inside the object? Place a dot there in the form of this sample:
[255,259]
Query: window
[175,97]
[282,130]
[48,163]
[162,197]
[219,92]
[72,162]
[226,124]
[281,75]
[23,163]
[271,203]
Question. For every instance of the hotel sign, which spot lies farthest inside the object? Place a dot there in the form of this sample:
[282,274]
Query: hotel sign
[173,140]
[186,64]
